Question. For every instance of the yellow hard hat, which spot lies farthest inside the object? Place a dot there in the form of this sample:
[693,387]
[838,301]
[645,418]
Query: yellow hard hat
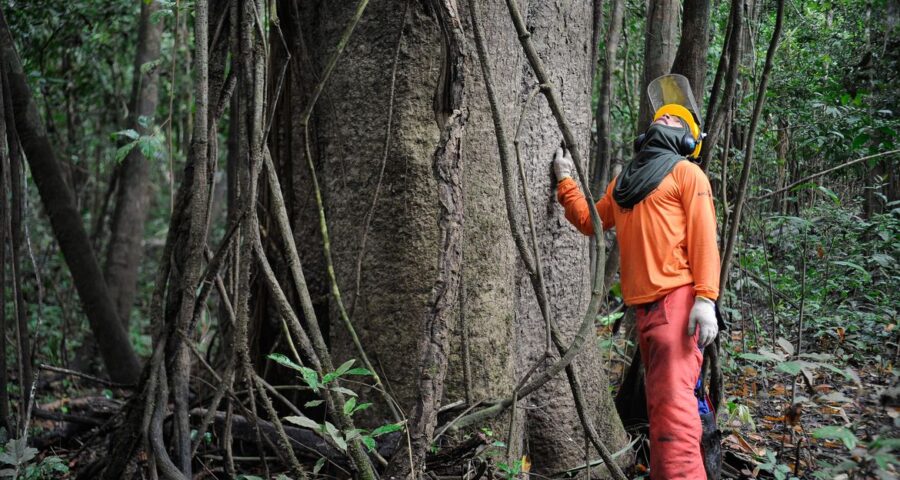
[685,115]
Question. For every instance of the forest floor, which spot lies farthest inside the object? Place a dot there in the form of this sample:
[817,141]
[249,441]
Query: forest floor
[829,411]
[795,424]
[835,414]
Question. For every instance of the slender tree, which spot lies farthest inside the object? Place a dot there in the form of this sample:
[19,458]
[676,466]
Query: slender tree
[118,356]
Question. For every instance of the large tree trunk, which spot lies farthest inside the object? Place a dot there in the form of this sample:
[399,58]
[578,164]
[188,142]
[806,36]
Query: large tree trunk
[504,327]
[65,220]
[123,255]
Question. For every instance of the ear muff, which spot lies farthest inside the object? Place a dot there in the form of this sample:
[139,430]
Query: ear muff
[687,146]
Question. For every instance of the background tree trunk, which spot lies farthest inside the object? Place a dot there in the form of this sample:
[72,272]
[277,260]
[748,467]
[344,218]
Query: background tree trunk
[691,57]
[125,250]
[661,31]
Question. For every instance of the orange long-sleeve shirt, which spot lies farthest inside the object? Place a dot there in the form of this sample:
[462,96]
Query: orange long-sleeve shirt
[666,241]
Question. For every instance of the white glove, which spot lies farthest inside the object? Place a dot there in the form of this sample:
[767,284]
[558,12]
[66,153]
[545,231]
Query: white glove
[563,166]
[704,313]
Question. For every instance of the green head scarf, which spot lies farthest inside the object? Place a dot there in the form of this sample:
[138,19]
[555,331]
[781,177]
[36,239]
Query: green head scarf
[657,157]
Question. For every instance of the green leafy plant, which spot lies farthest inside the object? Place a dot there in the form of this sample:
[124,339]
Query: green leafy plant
[778,470]
[18,455]
[510,472]
[328,381]
[150,146]
[875,459]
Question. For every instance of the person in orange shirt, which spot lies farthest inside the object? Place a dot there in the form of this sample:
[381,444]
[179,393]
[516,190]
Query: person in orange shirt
[661,206]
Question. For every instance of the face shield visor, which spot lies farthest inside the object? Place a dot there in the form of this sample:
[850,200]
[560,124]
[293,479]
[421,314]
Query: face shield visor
[672,94]
[673,88]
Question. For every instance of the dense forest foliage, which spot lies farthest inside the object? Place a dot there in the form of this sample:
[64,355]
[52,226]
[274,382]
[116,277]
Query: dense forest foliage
[282,239]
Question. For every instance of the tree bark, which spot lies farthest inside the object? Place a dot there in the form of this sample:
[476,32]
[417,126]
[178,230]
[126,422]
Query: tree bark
[690,59]
[65,220]
[125,250]
[600,175]
[718,116]
[434,337]
[506,330]
[6,145]
[661,31]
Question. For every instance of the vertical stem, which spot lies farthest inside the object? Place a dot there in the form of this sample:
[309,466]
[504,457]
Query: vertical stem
[751,143]
[800,313]
[602,115]
[735,39]
[196,242]
[5,143]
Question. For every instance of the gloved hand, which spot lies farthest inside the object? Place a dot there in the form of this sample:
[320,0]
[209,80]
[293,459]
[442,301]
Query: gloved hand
[563,166]
[704,313]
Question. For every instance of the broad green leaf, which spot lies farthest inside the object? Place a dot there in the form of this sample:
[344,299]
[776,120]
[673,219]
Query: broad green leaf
[818,357]
[335,435]
[369,442]
[391,427]
[311,378]
[313,403]
[304,422]
[348,407]
[837,433]
[833,196]
[764,355]
[804,186]
[284,361]
[859,140]
[130,133]
[883,259]
[345,391]
[854,266]
[361,406]
[888,444]
[793,367]
[124,150]
[836,370]
[318,466]
[755,357]
[344,367]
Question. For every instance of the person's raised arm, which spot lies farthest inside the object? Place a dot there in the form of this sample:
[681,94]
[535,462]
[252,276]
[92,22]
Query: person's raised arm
[572,199]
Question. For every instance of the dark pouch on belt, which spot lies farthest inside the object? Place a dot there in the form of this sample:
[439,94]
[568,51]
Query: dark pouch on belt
[711,446]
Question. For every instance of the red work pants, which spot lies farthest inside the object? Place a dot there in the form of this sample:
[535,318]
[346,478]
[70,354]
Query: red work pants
[672,365]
